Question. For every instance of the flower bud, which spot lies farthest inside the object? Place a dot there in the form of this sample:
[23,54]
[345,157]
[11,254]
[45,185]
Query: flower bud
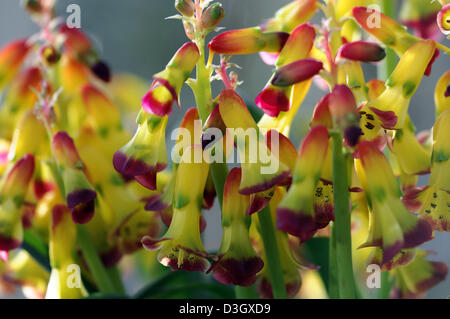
[362,51]
[212,15]
[12,56]
[167,84]
[50,55]
[185,7]
[295,72]
[247,41]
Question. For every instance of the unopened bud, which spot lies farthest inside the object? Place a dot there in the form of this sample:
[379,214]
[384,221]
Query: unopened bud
[213,15]
[185,7]
[362,51]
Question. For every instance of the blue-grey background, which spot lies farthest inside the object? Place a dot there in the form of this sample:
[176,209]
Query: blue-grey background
[133,37]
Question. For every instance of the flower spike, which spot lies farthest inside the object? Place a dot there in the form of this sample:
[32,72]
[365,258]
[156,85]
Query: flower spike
[238,262]
[167,84]
[256,177]
[296,214]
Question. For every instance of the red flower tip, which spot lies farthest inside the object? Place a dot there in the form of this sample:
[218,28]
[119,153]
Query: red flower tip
[297,71]
[362,51]
[64,150]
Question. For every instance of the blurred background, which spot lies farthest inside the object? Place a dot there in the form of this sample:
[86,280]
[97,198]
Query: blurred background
[132,36]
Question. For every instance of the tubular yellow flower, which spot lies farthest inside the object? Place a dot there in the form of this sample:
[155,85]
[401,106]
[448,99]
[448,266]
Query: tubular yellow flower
[12,195]
[351,74]
[247,41]
[145,154]
[74,75]
[62,247]
[431,201]
[392,105]
[11,58]
[296,214]
[80,194]
[238,262]
[391,226]
[256,177]
[442,94]
[291,15]
[181,248]
[167,84]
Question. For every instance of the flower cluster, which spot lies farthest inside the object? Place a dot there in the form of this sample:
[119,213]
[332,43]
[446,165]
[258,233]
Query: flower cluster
[70,169]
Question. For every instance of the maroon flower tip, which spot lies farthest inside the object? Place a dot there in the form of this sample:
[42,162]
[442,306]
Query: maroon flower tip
[352,135]
[147,180]
[83,212]
[297,71]
[390,251]
[266,185]
[388,118]
[41,188]
[196,264]
[420,234]
[324,214]
[362,51]
[296,224]
[238,272]
[209,195]
[129,166]
[430,65]
[447,91]
[102,71]
[155,203]
[57,214]
[440,271]
[111,257]
[272,101]
[257,204]
[7,243]
[264,288]
[150,243]
[80,196]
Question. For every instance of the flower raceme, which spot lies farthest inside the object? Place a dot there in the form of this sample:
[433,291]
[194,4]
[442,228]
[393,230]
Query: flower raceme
[167,84]
[296,214]
[392,227]
[80,194]
[12,195]
[181,246]
[238,262]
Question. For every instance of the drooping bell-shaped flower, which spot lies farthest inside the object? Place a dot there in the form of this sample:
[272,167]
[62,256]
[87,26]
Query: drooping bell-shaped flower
[291,15]
[12,57]
[181,248]
[238,262]
[442,94]
[345,114]
[296,214]
[167,84]
[145,154]
[102,112]
[417,277]
[80,194]
[260,168]
[30,137]
[62,248]
[391,107]
[392,226]
[412,157]
[12,195]
[74,75]
[289,265]
[432,201]
[248,41]
[276,96]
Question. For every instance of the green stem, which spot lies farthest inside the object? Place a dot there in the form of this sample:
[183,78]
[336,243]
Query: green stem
[272,254]
[342,229]
[245,292]
[93,261]
[37,249]
[386,286]
[333,271]
[115,277]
